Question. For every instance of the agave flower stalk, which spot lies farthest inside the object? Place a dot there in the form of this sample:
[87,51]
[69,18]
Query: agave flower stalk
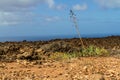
[74,19]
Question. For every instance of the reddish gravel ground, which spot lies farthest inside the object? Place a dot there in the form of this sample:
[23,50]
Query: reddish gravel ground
[85,68]
[14,64]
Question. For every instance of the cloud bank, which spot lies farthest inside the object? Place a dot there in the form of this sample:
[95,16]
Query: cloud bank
[13,12]
[109,3]
[78,7]
[15,5]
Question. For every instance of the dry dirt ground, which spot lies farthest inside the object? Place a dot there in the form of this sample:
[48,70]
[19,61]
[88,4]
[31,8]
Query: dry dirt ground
[84,68]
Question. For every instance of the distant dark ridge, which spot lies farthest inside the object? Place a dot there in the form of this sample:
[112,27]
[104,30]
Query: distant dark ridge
[113,36]
[34,39]
[60,39]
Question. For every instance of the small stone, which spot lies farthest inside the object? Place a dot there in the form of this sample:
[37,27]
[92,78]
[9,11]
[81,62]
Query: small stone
[97,77]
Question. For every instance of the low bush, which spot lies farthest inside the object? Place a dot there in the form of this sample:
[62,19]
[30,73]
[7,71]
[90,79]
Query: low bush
[93,51]
[90,51]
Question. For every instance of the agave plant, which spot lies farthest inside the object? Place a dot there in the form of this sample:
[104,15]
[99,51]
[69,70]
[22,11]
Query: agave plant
[74,20]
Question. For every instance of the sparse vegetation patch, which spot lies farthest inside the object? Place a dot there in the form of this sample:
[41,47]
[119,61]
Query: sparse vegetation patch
[89,51]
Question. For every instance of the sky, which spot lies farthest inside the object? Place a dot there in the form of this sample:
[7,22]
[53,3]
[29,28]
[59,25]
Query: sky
[52,17]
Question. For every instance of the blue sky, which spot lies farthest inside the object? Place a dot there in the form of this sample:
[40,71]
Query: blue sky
[51,17]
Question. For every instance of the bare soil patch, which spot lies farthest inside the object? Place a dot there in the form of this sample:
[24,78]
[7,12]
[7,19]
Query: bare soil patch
[90,68]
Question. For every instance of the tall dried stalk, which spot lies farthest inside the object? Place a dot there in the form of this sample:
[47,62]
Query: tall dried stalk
[74,19]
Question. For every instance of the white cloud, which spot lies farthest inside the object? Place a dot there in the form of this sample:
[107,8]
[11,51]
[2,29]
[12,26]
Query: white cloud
[13,12]
[13,5]
[80,7]
[109,3]
[51,19]
[16,5]
[7,18]
[51,3]
[23,5]
[14,18]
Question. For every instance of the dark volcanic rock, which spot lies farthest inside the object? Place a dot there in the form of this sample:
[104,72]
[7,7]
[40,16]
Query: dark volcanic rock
[38,49]
[59,46]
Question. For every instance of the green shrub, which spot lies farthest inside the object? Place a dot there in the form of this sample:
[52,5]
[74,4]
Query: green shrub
[59,56]
[85,52]
[94,51]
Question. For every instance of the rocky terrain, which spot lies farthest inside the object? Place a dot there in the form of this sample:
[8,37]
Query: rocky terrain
[90,68]
[10,51]
[28,60]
